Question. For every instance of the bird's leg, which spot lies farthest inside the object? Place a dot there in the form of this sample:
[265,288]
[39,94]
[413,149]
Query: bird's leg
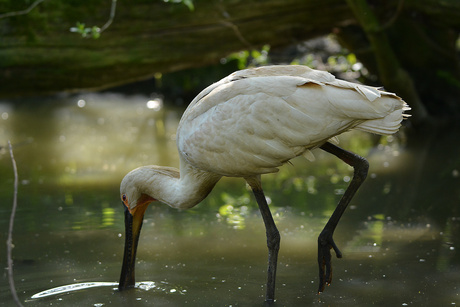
[273,240]
[325,241]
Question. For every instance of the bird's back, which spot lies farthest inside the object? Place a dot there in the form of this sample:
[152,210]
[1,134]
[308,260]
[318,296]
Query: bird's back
[254,120]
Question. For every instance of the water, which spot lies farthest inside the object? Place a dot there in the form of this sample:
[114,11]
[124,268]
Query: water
[400,236]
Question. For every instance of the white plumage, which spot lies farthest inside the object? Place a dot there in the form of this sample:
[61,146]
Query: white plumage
[255,120]
[250,123]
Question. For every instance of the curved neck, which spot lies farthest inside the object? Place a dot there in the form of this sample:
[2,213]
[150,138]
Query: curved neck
[181,189]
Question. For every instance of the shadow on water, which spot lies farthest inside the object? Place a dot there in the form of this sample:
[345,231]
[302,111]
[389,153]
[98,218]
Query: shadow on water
[400,236]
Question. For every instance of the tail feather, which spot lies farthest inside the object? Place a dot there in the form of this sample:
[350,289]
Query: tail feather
[386,125]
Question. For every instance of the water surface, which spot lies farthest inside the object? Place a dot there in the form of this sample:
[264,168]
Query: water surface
[400,236]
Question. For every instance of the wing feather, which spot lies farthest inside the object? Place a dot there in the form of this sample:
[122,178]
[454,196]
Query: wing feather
[255,120]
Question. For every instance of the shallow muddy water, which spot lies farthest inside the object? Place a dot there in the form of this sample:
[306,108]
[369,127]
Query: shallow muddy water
[400,236]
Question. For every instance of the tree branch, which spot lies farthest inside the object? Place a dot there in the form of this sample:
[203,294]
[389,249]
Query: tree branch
[390,22]
[111,17]
[9,241]
[391,73]
[23,12]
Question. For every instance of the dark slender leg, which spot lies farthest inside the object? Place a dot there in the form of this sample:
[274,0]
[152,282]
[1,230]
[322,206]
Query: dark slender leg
[273,242]
[325,241]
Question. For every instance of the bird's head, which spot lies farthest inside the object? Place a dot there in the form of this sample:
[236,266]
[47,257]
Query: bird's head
[132,194]
[137,190]
[145,184]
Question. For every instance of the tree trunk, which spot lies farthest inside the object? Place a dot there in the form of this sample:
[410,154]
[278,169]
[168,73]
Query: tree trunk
[413,54]
[38,53]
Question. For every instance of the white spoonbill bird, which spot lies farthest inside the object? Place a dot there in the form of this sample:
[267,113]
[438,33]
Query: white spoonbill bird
[248,124]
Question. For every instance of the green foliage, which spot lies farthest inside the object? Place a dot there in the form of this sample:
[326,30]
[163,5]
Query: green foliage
[94,31]
[80,28]
[344,62]
[251,58]
[448,77]
[334,59]
[187,3]
[235,209]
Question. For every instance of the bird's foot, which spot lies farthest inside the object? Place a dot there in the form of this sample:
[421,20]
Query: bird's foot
[325,244]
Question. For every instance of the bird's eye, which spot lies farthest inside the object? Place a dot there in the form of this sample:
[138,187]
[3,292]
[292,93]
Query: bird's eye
[123,197]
